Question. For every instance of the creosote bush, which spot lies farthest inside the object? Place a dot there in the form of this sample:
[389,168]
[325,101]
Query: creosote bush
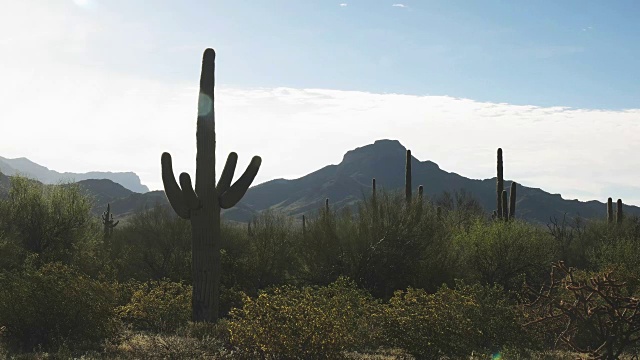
[55,306]
[452,322]
[158,306]
[307,323]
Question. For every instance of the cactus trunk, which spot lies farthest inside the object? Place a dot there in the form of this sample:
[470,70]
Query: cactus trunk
[619,214]
[407,177]
[505,209]
[499,185]
[512,200]
[609,210]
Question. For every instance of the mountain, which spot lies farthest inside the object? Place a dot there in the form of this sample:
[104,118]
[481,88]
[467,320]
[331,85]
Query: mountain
[344,184]
[123,201]
[28,168]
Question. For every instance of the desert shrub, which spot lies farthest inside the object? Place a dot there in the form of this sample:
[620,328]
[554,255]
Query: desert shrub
[159,306]
[451,322]
[52,221]
[598,311]
[307,323]
[155,244]
[504,253]
[393,245]
[55,306]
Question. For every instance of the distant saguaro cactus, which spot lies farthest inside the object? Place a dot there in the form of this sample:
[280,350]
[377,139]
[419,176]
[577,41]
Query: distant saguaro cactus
[499,185]
[512,200]
[107,222]
[505,209]
[407,177]
[619,214]
[420,192]
[203,205]
[326,206]
[304,226]
[609,210]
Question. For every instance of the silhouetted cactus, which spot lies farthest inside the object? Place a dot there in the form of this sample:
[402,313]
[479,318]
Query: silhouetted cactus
[407,177]
[512,200]
[619,214]
[203,205]
[420,191]
[610,210]
[499,185]
[326,206]
[304,226]
[249,232]
[107,222]
[505,209]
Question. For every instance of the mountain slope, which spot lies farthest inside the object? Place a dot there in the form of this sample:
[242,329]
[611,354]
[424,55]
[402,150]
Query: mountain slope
[345,183]
[28,168]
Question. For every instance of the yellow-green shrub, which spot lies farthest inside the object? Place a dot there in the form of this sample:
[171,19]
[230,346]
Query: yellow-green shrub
[55,306]
[307,323]
[160,306]
[451,322]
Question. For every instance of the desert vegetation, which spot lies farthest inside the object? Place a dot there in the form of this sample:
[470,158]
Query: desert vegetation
[424,278]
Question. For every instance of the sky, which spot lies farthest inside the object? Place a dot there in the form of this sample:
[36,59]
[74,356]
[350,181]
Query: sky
[108,85]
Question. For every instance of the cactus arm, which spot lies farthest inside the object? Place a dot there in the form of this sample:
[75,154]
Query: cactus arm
[189,196]
[115,224]
[227,173]
[171,188]
[231,197]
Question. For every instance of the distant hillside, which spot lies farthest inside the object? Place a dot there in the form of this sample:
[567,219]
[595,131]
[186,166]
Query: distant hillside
[28,168]
[345,183]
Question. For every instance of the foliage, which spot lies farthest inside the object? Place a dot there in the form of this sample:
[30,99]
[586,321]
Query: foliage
[155,244]
[158,306]
[307,323]
[451,322]
[601,318]
[55,306]
[504,253]
[52,221]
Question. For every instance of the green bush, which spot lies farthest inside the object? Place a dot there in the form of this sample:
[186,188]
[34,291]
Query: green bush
[451,322]
[159,306]
[307,323]
[55,306]
[504,253]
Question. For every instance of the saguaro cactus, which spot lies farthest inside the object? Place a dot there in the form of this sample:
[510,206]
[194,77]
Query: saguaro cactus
[619,214]
[407,177]
[499,185]
[304,226]
[505,210]
[107,222]
[609,210]
[512,200]
[203,205]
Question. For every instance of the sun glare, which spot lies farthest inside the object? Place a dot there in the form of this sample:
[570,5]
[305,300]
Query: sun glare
[82,3]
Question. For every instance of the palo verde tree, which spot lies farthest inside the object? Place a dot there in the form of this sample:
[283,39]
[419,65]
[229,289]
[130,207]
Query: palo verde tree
[203,205]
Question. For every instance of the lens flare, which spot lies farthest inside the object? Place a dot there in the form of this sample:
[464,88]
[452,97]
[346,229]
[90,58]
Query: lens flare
[205,105]
[496,356]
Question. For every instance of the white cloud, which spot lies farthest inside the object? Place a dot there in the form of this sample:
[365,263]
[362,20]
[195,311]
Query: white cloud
[343,4]
[399,5]
[79,118]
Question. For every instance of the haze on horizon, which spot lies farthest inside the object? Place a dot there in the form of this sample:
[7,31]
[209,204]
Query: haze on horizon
[108,85]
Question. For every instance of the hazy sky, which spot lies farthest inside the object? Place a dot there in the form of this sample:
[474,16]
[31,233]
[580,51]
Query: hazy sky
[108,85]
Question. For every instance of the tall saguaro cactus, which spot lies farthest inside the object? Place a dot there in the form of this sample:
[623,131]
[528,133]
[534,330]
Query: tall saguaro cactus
[407,177]
[202,206]
[619,214]
[512,200]
[609,210]
[499,185]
